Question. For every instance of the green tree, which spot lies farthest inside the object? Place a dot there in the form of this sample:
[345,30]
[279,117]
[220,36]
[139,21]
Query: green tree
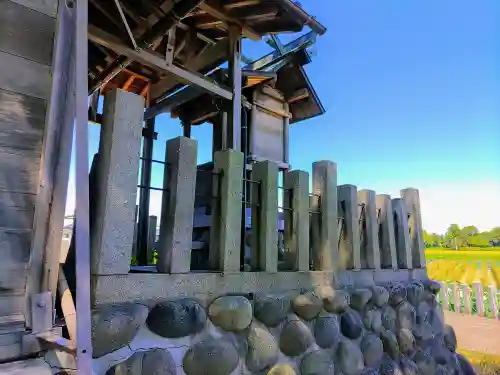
[494,234]
[452,235]
[466,233]
[479,240]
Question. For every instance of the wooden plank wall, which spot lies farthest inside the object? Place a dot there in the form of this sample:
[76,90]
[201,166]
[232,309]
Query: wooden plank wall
[26,48]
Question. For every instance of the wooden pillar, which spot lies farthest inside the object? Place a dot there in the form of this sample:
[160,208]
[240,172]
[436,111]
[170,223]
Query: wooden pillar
[402,234]
[225,234]
[387,240]
[349,247]
[296,204]
[176,227]
[325,250]
[479,294]
[265,216]
[411,200]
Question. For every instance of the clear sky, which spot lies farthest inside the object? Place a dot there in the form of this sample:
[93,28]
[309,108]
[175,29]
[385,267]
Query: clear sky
[412,94]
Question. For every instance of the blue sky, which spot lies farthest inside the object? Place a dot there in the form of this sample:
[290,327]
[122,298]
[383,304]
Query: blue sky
[412,94]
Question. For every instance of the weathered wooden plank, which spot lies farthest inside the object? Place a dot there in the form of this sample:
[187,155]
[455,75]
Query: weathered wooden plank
[19,172]
[48,7]
[22,121]
[24,76]
[14,250]
[16,210]
[10,305]
[26,33]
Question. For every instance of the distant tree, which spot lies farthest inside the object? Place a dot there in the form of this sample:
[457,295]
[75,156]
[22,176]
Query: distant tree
[478,240]
[494,235]
[452,235]
[466,233]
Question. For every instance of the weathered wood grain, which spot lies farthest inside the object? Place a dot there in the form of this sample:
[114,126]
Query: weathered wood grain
[22,121]
[24,76]
[48,7]
[12,275]
[14,249]
[19,172]
[26,33]
[17,210]
[10,305]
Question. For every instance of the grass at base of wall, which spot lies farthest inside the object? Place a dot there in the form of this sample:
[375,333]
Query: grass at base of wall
[484,364]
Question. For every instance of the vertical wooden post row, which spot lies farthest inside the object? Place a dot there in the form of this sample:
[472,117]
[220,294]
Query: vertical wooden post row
[349,246]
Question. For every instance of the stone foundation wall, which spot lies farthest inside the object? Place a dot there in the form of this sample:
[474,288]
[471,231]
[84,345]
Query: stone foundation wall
[395,328]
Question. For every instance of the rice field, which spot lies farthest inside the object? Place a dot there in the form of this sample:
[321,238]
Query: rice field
[464,266]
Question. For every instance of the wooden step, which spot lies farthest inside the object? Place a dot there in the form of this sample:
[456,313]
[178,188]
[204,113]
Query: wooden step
[12,323]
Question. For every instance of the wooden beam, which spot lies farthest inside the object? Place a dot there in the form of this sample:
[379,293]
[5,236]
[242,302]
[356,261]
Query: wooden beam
[218,12]
[298,95]
[241,4]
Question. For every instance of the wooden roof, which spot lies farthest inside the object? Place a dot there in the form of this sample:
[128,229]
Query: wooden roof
[200,40]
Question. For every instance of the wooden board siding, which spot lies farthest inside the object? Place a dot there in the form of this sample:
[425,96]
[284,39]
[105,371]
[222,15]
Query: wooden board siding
[28,32]
[27,29]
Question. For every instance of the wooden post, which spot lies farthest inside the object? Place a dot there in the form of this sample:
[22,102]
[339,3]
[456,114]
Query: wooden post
[225,234]
[478,292]
[411,200]
[325,251]
[492,294]
[456,297]
[444,293]
[387,240]
[370,251]
[176,227]
[296,204]
[467,301]
[265,217]
[349,247]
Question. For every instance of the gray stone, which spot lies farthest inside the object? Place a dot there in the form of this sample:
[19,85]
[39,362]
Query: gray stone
[372,350]
[406,315]
[389,318]
[408,367]
[175,319]
[295,338]
[390,342]
[152,362]
[114,326]
[282,369]
[272,309]
[397,294]
[327,331]
[423,310]
[337,302]
[349,358]
[406,342]
[442,370]
[360,297]
[423,332]
[436,320]
[437,349]
[211,357]
[433,286]
[317,362]
[351,324]
[465,365]
[307,305]
[231,313]
[380,296]
[425,363]
[415,293]
[373,320]
[262,350]
[369,371]
[390,368]
[450,338]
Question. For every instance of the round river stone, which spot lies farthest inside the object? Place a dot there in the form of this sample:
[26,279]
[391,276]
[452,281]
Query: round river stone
[152,362]
[336,302]
[389,318]
[369,371]
[422,332]
[284,369]
[397,294]
[114,326]
[450,338]
[262,349]
[272,309]
[390,342]
[175,319]
[351,324]
[406,315]
[415,293]
[211,357]
[373,320]
[408,366]
[295,338]
[425,363]
[390,368]
[349,358]
[360,297]
[465,365]
[231,313]
[372,350]
[307,305]
[327,330]
[406,341]
[433,286]
[317,362]
[380,296]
